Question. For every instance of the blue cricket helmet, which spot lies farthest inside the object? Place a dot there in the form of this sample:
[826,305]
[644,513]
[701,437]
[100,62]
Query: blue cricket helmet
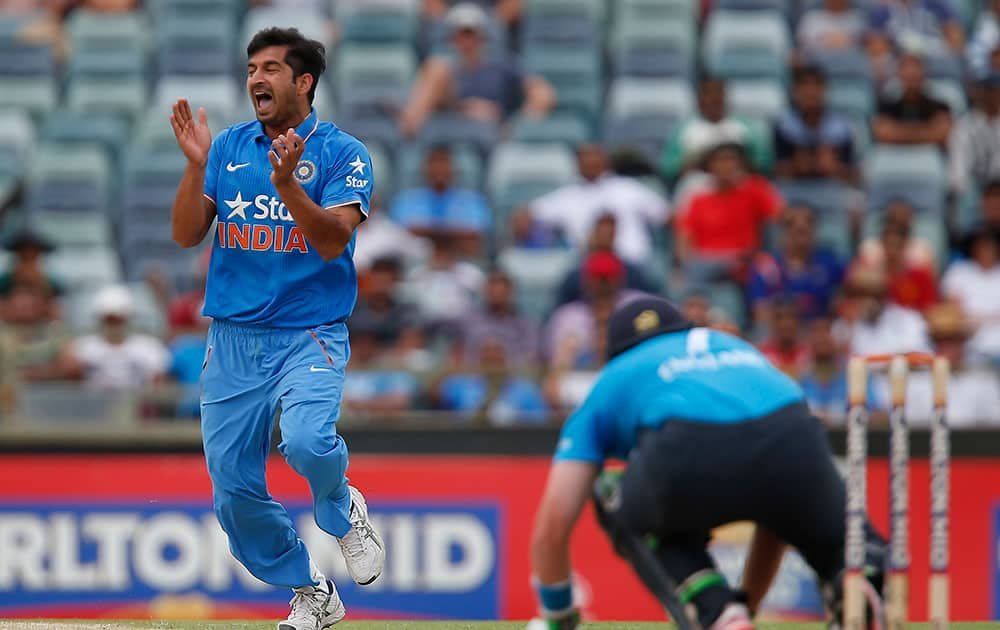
[640,319]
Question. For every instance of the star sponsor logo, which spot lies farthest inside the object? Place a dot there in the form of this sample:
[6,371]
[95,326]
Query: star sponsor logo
[238,207]
[358,165]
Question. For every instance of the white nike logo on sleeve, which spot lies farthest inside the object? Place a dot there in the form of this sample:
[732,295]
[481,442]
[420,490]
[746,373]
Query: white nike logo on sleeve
[313,368]
[234,167]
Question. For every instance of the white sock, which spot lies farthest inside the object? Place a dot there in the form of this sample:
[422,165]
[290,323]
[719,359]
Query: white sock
[316,575]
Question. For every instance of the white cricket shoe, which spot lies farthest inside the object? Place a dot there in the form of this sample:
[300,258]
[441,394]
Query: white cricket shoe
[734,617]
[363,550]
[314,608]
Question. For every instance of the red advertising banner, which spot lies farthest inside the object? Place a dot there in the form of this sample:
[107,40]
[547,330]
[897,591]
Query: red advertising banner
[134,535]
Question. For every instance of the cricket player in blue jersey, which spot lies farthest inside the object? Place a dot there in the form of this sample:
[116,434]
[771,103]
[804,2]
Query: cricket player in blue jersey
[712,434]
[288,192]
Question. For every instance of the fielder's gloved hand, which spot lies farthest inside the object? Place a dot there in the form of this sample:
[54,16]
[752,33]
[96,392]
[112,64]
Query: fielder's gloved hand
[568,621]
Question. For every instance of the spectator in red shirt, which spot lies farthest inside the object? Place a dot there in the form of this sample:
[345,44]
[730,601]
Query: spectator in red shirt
[721,227]
[912,283]
[784,346]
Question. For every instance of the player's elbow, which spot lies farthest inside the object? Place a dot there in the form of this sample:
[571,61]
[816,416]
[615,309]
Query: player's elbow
[331,251]
[186,239]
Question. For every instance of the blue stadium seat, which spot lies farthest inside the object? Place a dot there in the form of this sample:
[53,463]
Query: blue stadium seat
[73,127]
[35,95]
[24,59]
[912,173]
[746,44]
[378,23]
[371,127]
[109,32]
[374,77]
[653,49]
[311,23]
[454,129]
[560,126]
[196,45]
[536,274]
[518,172]
[219,95]
[761,99]
[86,268]
[70,177]
[73,229]
[574,72]
[123,95]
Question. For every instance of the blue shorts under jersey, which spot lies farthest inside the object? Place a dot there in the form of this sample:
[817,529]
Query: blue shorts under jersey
[263,271]
[697,375]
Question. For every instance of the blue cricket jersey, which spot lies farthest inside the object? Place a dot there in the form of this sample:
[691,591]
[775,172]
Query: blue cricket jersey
[696,375]
[263,271]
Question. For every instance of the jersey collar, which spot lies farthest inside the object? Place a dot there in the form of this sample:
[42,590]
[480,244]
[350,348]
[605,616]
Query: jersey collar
[305,129]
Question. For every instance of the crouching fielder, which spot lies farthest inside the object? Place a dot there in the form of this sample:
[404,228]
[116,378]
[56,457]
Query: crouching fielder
[712,434]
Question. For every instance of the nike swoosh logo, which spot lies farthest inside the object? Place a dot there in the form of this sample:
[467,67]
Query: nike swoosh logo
[235,167]
[313,368]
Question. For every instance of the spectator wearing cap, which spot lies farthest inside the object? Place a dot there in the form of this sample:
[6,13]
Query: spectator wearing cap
[870,323]
[684,149]
[498,321]
[475,85]
[909,114]
[721,227]
[440,208]
[784,346]
[973,283]
[114,358]
[573,210]
[927,25]
[974,144]
[831,27]
[810,141]
[973,389]
[808,274]
[575,336]
[602,239]
[28,271]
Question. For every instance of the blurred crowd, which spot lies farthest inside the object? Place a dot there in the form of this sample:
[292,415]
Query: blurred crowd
[499,318]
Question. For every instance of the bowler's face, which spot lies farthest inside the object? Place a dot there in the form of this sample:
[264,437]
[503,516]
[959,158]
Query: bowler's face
[271,85]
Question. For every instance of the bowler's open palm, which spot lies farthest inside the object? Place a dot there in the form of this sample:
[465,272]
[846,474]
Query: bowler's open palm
[193,136]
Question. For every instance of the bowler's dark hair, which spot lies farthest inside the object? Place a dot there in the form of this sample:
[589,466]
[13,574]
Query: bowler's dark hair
[305,56]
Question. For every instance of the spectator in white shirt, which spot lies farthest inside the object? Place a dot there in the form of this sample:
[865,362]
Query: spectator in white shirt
[974,283]
[833,26]
[871,324]
[973,390]
[115,358]
[572,210]
[444,288]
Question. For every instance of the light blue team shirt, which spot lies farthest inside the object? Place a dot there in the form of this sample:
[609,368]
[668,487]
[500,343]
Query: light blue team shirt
[697,375]
[263,271]
[455,208]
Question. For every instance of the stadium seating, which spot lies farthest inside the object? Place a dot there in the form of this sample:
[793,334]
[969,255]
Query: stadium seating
[536,274]
[911,173]
[519,172]
[746,44]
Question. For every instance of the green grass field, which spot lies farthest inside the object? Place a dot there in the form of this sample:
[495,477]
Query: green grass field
[388,625]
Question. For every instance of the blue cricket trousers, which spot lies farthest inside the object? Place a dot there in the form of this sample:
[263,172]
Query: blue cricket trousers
[251,373]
